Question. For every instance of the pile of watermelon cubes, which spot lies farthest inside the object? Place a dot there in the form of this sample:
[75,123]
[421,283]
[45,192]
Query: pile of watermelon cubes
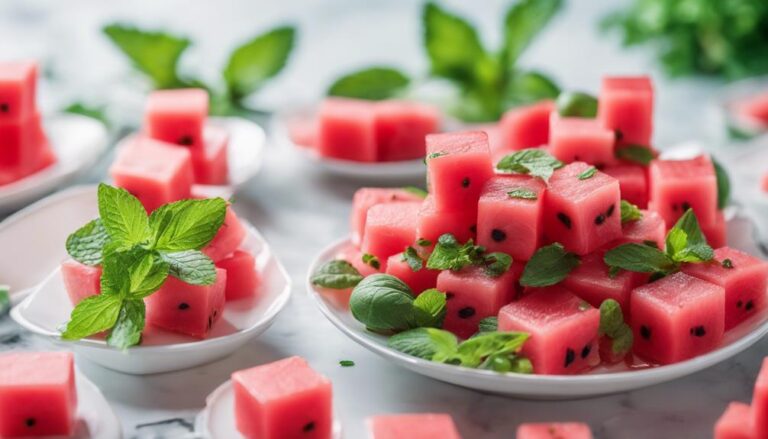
[742,421]
[675,318]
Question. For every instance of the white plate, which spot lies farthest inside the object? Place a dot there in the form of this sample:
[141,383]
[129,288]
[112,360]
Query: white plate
[78,142]
[217,420]
[96,420]
[598,382]
[47,307]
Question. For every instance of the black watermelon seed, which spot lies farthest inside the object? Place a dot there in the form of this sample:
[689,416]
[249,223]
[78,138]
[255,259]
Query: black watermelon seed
[4,108]
[186,140]
[466,312]
[610,210]
[183,306]
[498,235]
[600,219]
[210,322]
[675,207]
[449,295]
[570,356]
[645,332]
[565,219]
[310,426]
[619,135]
[698,331]
[750,304]
[739,304]
[585,352]
[465,182]
[473,228]
[215,313]
[576,158]
[686,205]
[30,422]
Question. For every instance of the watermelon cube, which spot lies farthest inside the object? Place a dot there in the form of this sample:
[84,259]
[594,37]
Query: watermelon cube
[187,309]
[347,130]
[418,281]
[367,197]
[227,239]
[209,164]
[45,156]
[582,214]
[717,232]
[18,83]
[303,131]
[242,277]
[286,399]
[744,279]
[401,128]
[20,143]
[648,229]
[760,403]
[677,318]
[633,182]
[511,224]
[554,430]
[591,282]
[472,295]
[354,256]
[563,330]
[154,172]
[526,126]
[626,107]
[735,423]
[37,394]
[390,228]
[679,185]
[81,281]
[754,108]
[413,426]
[576,139]
[177,116]
[432,224]
[458,165]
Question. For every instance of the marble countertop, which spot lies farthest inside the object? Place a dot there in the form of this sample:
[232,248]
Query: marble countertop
[300,210]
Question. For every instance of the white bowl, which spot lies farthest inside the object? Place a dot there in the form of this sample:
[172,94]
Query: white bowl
[601,381]
[78,142]
[96,420]
[217,420]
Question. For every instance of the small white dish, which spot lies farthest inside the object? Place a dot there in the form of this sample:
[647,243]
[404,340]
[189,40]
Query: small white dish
[95,417]
[217,420]
[78,142]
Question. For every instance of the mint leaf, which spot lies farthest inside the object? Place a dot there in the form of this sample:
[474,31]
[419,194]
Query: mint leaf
[450,255]
[497,263]
[473,351]
[629,212]
[588,173]
[488,324]
[383,303]
[419,192]
[346,363]
[430,308]
[723,185]
[686,242]
[613,326]
[136,273]
[122,216]
[411,256]
[130,323]
[336,274]
[525,194]
[190,266]
[576,104]
[187,224]
[636,154]
[523,21]
[93,315]
[426,343]
[639,258]
[258,60]
[373,261]
[533,161]
[86,244]
[549,265]
[373,83]
[5,299]
[453,46]
[529,87]
[727,264]
[94,112]
[421,242]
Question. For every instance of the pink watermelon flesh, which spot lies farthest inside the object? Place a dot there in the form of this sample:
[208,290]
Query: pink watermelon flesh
[177,116]
[745,285]
[37,394]
[563,330]
[633,182]
[526,127]
[355,257]
[432,224]
[591,282]
[210,163]
[677,185]
[18,87]
[242,277]
[735,423]
[760,402]
[575,139]
[303,131]
[754,108]
[648,229]
[228,239]
[154,172]
[187,309]
[677,318]
[346,130]
[286,399]
[716,233]
[390,228]
[419,281]
[472,295]
[367,197]
[554,430]
[81,281]
[582,214]
[507,224]
[626,107]
[764,183]
[413,426]
[20,144]
[401,128]
[458,165]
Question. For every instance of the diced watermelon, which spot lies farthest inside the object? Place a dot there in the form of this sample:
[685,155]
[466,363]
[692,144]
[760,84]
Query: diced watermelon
[554,430]
[367,197]
[735,423]
[354,256]
[760,403]
[591,282]
[413,426]
[717,232]
[744,279]
[527,126]
[303,131]
[418,281]
[582,214]
[509,224]
[626,107]
[458,165]
[433,223]
[227,239]
[210,163]
[563,330]
[20,143]
[18,86]
[81,281]
[177,116]
[754,108]
[677,318]
[401,128]
[286,399]
[242,277]
[650,228]
[390,228]
[677,185]
[154,172]
[633,182]
[576,139]
[346,130]
[187,309]
[37,394]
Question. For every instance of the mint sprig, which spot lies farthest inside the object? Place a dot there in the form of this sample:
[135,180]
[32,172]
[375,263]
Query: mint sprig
[413,259]
[636,154]
[548,266]
[337,274]
[534,161]
[629,212]
[613,326]
[450,254]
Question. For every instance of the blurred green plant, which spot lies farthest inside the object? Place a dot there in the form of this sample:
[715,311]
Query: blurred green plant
[726,38]
[488,82]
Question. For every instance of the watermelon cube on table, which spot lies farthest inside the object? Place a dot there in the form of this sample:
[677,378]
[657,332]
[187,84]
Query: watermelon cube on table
[744,279]
[576,139]
[418,281]
[633,182]
[390,228]
[209,163]
[286,399]
[511,223]
[717,232]
[563,330]
[433,223]
[81,281]
[678,185]
[154,172]
[650,228]
[347,130]
[626,107]
[228,238]
[592,283]
[554,430]
[526,126]
[37,394]
[187,309]
[760,402]
[735,423]
[677,318]
[401,128]
[177,116]
[367,197]
[242,276]
[18,87]
[458,165]
[583,214]
[413,426]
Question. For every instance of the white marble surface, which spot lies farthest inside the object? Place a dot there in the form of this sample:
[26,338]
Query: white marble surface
[299,211]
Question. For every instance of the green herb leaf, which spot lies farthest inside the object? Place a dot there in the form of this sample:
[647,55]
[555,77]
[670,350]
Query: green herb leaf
[629,212]
[93,315]
[346,363]
[534,161]
[613,326]
[190,266]
[426,343]
[94,112]
[723,185]
[5,299]
[450,255]
[421,242]
[122,216]
[136,273]
[497,263]
[430,308]
[373,83]
[371,260]
[488,324]
[576,104]
[336,274]
[411,256]
[636,154]
[473,351]
[727,264]
[686,242]
[383,303]
[258,60]
[639,258]
[525,194]
[187,224]
[548,266]
[588,173]
[419,192]
[452,44]
[86,244]
[529,87]
[130,323]
[523,21]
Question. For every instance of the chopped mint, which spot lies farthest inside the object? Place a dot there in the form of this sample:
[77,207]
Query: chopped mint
[423,242]
[411,256]
[549,266]
[488,324]
[576,104]
[5,299]
[523,193]
[373,261]
[449,254]
[430,308]
[588,173]
[534,161]
[613,326]
[372,83]
[497,263]
[635,153]
[337,274]
[727,263]
[416,191]
[346,363]
[435,155]
[629,212]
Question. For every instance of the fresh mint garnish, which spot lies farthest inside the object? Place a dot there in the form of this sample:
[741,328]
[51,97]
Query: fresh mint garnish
[129,325]
[525,194]
[346,363]
[187,224]
[639,258]
[723,185]
[613,326]
[123,217]
[371,260]
[430,308]
[588,173]
[93,315]
[191,266]
[435,155]
[636,154]
[411,256]
[97,112]
[629,212]
[86,244]
[535,161]
[373,83]
[727,264]
[685,241]
[449,254]
[337,274]
[5,299]
[488,324]
[426,343]
[497,263]
[419,192]
[258,60]
[549,265]
[576,104]
[421,242]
